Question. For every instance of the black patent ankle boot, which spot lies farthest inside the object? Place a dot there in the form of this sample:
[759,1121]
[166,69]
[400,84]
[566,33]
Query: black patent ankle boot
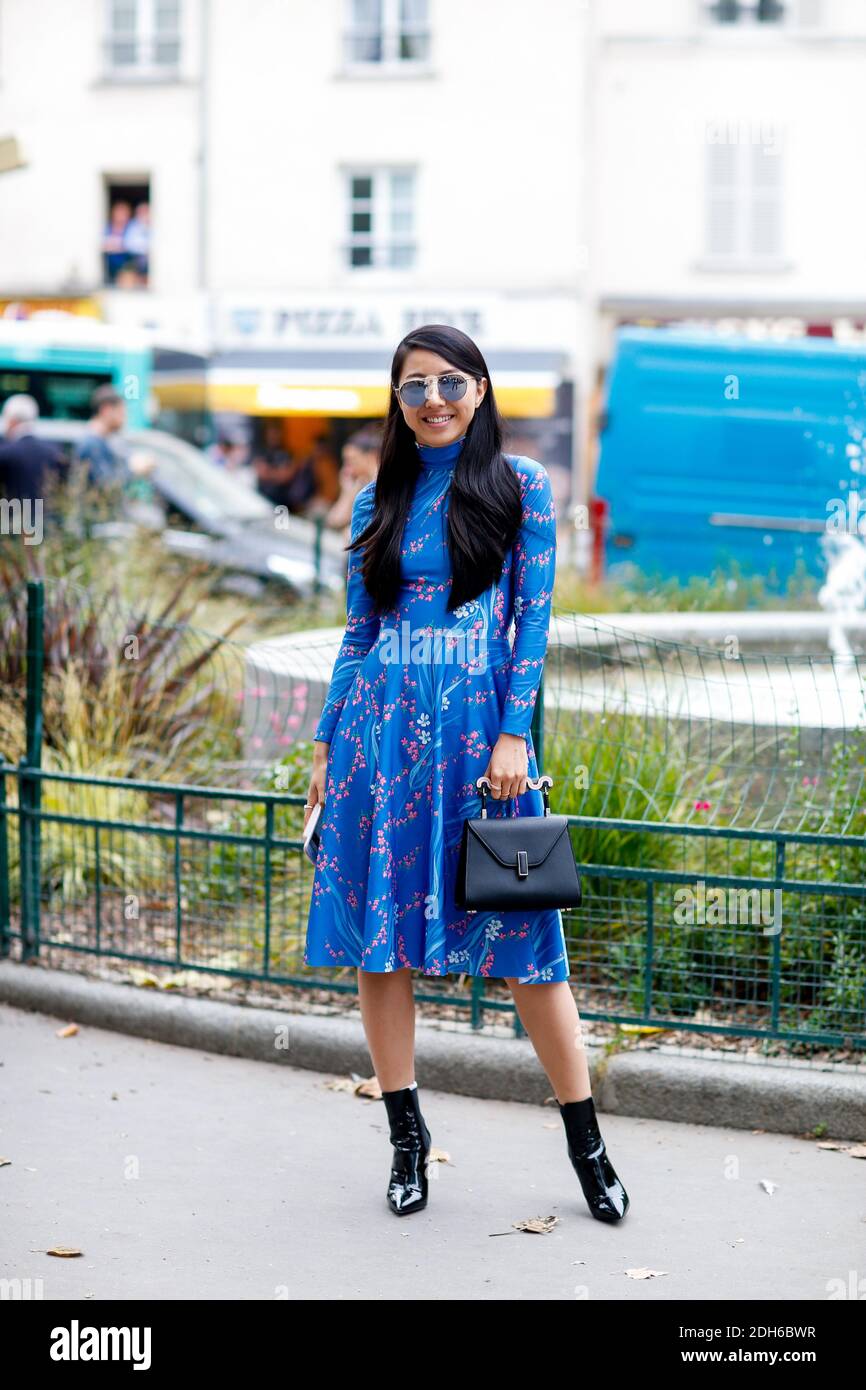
[407,1188]
[605,1194]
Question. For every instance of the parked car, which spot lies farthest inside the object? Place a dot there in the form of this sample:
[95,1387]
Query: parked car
[234,524]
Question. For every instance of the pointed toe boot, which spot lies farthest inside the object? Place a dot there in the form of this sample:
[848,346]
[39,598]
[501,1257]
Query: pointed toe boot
[606,1197]
[410,1137]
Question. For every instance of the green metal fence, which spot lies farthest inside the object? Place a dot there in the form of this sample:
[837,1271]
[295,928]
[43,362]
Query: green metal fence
[715,801]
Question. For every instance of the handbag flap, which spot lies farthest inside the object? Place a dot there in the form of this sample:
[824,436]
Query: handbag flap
[503,836]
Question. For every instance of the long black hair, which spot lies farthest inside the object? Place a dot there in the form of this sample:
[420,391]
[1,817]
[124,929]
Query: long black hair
[484,509]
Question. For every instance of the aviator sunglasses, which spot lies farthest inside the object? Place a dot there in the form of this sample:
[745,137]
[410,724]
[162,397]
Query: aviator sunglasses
[452,387]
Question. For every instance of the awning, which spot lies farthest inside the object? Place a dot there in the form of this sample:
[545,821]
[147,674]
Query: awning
[324,383]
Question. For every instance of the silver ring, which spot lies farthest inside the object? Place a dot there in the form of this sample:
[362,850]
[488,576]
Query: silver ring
[308,805]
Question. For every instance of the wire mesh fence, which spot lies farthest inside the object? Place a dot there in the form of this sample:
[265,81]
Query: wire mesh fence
[153,782]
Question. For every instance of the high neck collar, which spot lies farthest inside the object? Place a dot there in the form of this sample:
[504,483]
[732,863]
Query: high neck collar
[435,454]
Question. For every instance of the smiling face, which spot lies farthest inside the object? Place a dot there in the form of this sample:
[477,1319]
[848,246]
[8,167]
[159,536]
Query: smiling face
[438,421]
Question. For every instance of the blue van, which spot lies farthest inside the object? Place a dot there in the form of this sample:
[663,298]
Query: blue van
[718,449]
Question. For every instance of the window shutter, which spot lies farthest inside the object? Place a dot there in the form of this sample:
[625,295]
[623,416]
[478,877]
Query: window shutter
[723,198]
[765,230]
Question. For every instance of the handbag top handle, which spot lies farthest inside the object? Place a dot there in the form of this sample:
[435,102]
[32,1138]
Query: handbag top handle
[541,782]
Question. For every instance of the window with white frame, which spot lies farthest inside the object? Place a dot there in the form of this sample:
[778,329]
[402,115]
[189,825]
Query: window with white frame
[381,219]
[387,33]
[762,13]
[142,38]
[744,199]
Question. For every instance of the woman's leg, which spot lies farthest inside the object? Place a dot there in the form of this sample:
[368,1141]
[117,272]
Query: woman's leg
[388,1012]
[549,1015]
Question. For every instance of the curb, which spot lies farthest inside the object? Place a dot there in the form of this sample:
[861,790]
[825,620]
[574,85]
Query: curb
[785,1099]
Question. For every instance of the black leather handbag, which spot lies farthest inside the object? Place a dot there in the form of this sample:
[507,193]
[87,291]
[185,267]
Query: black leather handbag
[514,862]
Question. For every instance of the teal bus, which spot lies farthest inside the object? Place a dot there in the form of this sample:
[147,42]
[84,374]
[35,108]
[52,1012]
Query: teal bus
[60,361]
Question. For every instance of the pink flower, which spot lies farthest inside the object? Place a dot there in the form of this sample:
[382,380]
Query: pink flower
[702,805]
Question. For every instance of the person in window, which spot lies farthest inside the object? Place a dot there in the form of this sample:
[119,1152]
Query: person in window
[115,253]
[136,241]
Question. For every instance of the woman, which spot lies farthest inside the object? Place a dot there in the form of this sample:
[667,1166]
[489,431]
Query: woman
[450,541]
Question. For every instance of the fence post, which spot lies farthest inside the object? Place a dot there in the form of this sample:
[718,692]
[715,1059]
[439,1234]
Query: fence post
[319,522]
[476,1012]
[30,788]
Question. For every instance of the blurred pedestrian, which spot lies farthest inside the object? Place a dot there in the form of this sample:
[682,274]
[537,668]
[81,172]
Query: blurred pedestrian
[229,451]
[285,479]
[318,486]
[106,466]
[28,464]
[361,453]
[115,478]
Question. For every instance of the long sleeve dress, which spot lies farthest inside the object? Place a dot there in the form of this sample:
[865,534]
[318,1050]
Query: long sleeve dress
[411,725]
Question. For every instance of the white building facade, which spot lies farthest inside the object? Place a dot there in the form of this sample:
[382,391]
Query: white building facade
[320,177]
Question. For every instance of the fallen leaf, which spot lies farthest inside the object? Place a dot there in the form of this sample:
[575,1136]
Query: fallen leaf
[537,1225]
[68,1032]
[143,979]
[858,1151]
[339,1083]
[369,1089]
[645,1273]
[831,1144]
[65,1250]
[4,1161]
[438,1156]
[768,1185]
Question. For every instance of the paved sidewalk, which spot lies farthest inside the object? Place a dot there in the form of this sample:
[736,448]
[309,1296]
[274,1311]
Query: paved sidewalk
[182,1173]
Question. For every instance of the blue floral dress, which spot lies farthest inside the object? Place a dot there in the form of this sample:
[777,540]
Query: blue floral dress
[416,702]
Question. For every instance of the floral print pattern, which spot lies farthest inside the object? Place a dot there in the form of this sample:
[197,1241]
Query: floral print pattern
[408,738]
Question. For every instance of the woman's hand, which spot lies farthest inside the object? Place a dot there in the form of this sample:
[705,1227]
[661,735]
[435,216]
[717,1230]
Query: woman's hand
[508,767]
[316,789]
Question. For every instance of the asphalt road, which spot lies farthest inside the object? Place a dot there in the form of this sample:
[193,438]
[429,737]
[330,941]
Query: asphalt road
[183,1174]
